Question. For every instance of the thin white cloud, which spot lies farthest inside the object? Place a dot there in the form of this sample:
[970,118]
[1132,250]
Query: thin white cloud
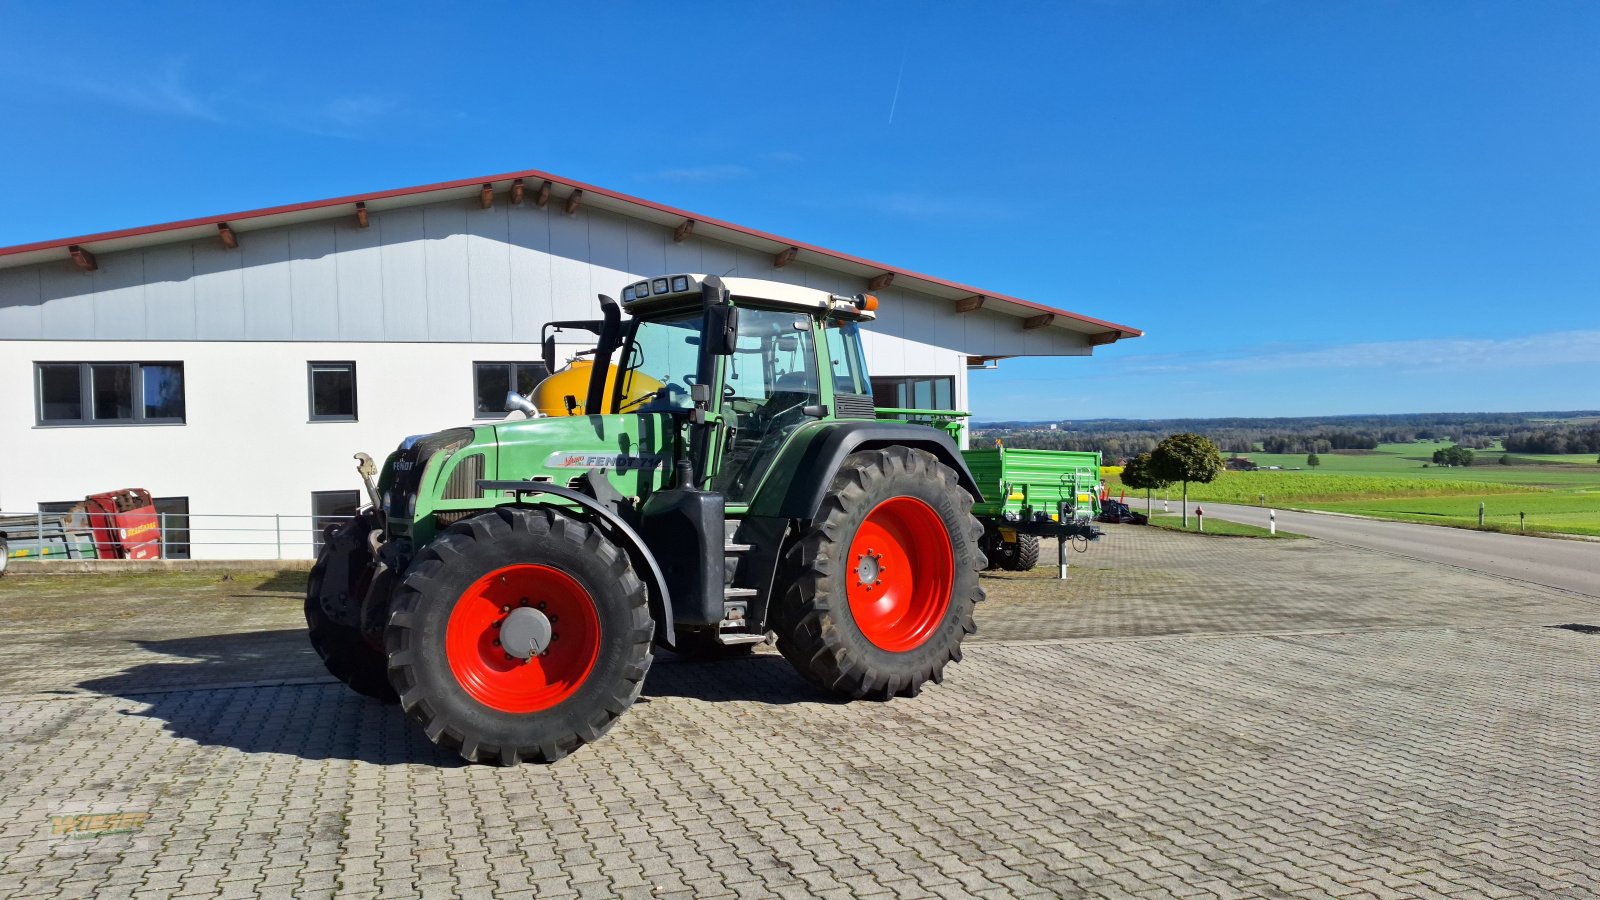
[356,111]
[1558,348]
[928,207]
[705,174]
[165,91]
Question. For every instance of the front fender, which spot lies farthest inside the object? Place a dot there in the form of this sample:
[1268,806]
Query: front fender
[643,560]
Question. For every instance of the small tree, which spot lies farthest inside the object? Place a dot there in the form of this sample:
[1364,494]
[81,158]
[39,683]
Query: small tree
[1186,458]
[1140,475]
[1505,459]
[1455,455]
[1313,460]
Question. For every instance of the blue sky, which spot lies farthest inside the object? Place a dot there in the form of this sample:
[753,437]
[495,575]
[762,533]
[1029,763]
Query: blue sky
[1311,208]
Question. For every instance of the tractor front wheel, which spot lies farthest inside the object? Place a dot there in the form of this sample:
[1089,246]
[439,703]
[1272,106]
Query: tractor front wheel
[885,580]
[518,635]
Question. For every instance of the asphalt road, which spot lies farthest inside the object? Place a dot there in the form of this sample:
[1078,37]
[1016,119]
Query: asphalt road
[1564,565]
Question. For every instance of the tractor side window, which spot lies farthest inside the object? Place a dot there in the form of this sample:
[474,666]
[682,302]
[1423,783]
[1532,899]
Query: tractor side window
[845,357]
[770,379]
[659,364]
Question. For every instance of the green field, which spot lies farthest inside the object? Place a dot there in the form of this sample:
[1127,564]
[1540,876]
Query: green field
[1567,512]
[1559,492]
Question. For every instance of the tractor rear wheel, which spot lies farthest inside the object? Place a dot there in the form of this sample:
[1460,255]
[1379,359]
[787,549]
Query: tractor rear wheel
[347,655]
[885,580]
[1021,556]
[518,635]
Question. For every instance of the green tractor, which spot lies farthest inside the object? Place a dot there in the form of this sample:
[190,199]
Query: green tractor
[726,480]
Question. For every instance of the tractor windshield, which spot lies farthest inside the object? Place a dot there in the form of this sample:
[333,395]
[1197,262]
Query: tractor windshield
[659,363]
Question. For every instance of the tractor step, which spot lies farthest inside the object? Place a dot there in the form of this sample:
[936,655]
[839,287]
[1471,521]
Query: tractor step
[734,638]
[731,548]
[738,593]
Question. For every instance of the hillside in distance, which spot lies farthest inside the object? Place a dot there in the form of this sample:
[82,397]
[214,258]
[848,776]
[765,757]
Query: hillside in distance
[1554,431]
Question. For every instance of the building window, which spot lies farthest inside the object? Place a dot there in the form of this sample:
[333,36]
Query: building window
[331,508]
[173,517]
[109,393]
[333,391]
[491,381]
[915,392]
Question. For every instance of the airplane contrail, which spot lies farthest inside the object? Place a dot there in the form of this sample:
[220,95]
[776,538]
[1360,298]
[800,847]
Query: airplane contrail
[893,102]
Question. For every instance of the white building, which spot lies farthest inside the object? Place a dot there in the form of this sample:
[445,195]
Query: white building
[232,364]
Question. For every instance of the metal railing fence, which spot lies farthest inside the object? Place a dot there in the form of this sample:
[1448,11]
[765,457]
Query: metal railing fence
[42,535]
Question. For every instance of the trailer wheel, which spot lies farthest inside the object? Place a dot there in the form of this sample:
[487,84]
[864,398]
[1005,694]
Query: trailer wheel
[576,628]
[1021,556]
[5,556]
[885,581]
[348,656]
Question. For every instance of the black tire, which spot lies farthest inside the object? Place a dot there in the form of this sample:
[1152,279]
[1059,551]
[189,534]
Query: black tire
[817,630]
[703,645]
[5,557]
[347,655]
[440,578]
[1021,556]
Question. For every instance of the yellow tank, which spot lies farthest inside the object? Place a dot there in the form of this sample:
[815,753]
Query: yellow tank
[573,381]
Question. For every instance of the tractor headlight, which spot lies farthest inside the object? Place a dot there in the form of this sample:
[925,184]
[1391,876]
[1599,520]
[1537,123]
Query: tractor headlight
[680,283]
[641,290]
[628,295]
[659,286]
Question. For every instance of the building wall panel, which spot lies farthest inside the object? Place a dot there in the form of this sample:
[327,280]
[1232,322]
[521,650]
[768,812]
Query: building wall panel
[358,258]
[532,302]
[119,297]
[405,274]
[314,282]
[21,306]
[268,313]
[169,291]
[571,285]
[489,273]
[449,306]
[218,275]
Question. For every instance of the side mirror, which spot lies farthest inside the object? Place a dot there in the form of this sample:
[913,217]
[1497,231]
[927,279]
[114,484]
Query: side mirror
[721,329]
[549,352]
[515,402]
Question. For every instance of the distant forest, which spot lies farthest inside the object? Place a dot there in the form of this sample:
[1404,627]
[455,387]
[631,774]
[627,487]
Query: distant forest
[1530,432]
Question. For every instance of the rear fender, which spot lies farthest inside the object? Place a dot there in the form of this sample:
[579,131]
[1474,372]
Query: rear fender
[806,465]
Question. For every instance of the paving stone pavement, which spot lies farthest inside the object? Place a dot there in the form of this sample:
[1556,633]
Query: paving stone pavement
[1182,718]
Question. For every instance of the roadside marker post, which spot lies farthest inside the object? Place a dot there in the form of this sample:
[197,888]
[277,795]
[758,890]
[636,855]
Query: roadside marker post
[1480,513]
[1522,524]
[1200,519]
[1272,522]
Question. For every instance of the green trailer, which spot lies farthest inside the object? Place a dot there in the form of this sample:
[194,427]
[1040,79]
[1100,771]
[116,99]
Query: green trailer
[1030,494]
[1027,494]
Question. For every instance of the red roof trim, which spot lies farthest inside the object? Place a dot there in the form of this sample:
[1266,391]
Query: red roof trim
[1124,330]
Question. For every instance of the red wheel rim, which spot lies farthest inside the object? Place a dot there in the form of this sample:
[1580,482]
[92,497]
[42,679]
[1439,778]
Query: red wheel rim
[503,682]
[899,573]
